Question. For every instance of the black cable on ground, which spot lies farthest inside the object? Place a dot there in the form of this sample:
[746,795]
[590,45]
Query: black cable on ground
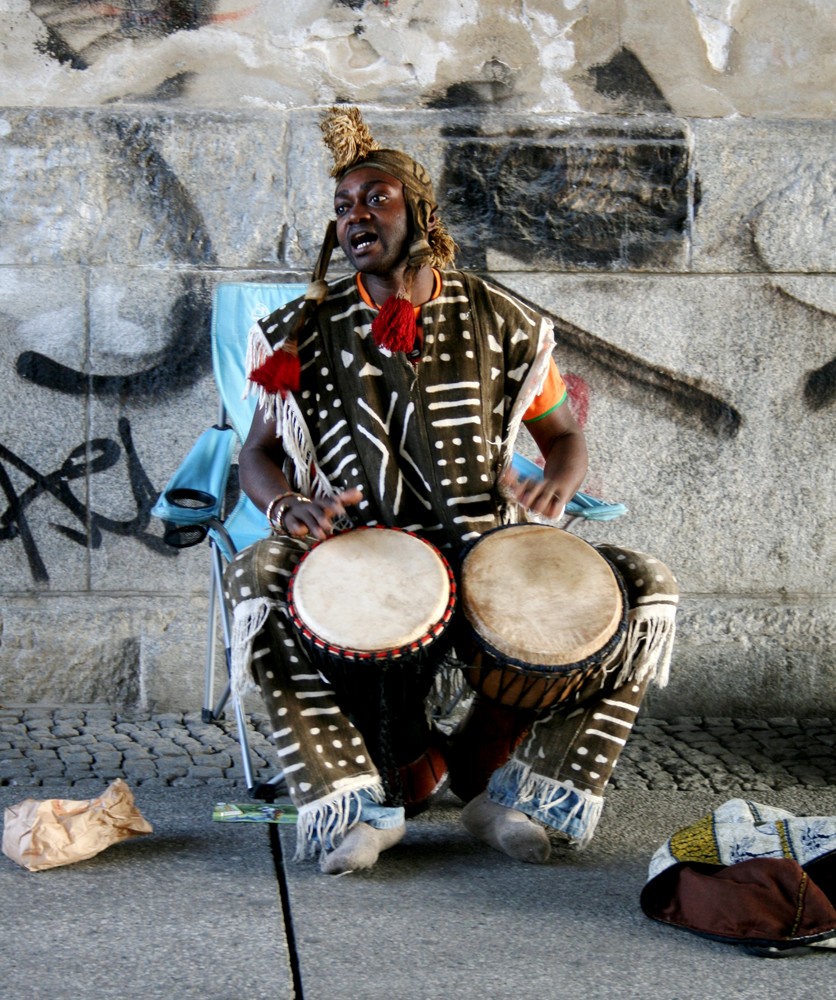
[284,895]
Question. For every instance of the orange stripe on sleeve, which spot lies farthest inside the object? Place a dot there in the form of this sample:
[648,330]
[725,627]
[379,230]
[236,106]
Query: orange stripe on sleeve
[552,395]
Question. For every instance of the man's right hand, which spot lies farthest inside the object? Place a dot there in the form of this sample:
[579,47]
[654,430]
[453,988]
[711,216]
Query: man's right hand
[316,517]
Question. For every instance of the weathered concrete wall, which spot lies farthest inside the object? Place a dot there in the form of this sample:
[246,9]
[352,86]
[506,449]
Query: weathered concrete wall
[657,175]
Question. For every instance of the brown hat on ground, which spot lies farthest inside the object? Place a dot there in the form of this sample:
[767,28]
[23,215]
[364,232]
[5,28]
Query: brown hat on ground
[749,874]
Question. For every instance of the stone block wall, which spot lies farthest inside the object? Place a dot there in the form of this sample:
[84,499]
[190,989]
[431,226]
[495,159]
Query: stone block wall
[657,176]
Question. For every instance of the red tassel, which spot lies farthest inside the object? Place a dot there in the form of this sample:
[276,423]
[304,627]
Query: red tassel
[280,373]
[394,326]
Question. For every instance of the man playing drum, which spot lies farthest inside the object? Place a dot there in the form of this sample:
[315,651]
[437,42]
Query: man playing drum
[392,398]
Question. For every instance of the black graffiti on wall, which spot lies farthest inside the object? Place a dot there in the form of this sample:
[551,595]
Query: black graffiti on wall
[82,462]
[185,359]
[600,198]
[820,386]
[80,31]
[593,198]
[175,228]
[686,398]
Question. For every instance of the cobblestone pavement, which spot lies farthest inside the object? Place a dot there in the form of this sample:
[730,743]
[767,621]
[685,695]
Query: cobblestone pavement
[87,746]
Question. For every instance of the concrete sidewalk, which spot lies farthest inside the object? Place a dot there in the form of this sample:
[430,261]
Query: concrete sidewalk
[195,909]
[168,916]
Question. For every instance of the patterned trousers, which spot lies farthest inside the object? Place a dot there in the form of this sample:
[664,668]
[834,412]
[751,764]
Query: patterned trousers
[559,769]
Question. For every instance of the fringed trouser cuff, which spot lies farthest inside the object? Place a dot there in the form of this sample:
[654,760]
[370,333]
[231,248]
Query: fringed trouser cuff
[323,824]
[557,804]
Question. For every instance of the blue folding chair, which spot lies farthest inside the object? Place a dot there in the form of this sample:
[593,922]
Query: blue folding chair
[192,505]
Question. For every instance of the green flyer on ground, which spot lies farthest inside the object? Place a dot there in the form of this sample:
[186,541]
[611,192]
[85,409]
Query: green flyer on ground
[254,812]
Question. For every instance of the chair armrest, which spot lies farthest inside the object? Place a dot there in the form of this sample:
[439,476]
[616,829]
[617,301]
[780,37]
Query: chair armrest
[195,493]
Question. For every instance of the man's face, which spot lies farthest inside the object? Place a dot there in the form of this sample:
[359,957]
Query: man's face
[372,221]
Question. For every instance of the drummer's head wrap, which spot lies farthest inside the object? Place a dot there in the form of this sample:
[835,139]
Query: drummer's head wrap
[353,146]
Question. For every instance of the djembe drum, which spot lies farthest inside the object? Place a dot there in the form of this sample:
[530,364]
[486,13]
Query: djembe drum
[545,613]
[373,607]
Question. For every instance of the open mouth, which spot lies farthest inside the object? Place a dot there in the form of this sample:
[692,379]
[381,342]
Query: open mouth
[362,241]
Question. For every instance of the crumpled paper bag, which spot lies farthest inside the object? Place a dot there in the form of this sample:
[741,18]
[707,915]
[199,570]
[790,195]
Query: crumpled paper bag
[53,832]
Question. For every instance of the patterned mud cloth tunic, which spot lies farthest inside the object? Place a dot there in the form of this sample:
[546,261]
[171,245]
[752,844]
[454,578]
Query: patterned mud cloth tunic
[425,441]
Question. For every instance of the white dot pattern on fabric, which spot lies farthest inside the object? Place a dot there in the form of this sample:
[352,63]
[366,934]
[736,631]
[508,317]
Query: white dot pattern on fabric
[472,462]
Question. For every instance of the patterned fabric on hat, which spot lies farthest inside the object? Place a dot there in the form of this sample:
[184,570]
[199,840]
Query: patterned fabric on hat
[748,873]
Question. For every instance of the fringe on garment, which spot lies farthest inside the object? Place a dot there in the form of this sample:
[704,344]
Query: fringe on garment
[449,696]
[302,468]
[648,645]
[258,351]
[248,619]
[532,385]
[322,824]
[559,805]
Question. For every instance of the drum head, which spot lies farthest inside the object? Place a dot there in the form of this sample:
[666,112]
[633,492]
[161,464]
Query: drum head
[371,589]
[536,594]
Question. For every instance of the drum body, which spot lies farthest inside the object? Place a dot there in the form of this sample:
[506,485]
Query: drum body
[545,616]
[373,608]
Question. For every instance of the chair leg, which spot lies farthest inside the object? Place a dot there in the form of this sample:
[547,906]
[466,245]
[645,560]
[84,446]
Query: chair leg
[264,790]
[209,712]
